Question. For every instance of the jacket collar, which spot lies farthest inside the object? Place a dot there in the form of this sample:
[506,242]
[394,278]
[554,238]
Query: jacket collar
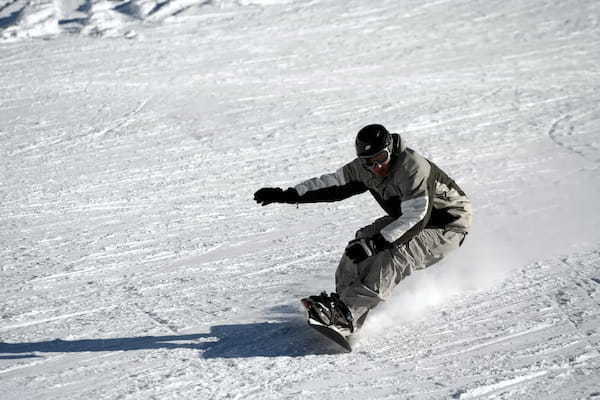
[398,145]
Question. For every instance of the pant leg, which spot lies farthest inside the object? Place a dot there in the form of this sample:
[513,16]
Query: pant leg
[427,248]
[347,271]
[364,285]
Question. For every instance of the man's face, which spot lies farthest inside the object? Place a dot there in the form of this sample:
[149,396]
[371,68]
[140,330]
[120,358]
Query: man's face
[381,170]
[379,163]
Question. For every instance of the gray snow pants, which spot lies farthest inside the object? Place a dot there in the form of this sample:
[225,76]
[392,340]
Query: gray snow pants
[364,285]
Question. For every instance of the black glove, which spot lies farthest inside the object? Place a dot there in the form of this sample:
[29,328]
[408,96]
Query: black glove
[267,196]
[360,249]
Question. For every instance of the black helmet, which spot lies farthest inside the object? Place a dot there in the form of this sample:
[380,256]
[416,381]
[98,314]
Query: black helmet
[371,139]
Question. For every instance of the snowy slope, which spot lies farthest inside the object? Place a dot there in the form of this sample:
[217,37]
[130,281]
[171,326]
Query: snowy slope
[135,264]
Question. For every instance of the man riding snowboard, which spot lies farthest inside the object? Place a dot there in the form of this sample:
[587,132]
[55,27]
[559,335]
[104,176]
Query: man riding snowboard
[428,216]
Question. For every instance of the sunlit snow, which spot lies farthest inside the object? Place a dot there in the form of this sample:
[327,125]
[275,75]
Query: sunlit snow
[133,134]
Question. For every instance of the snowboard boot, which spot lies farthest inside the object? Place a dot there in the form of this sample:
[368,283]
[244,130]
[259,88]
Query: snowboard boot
[318,308]
[330,310]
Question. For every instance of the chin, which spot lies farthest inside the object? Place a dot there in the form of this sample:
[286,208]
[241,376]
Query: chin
[381,171]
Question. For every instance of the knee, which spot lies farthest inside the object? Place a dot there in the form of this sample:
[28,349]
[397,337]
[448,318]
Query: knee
[361,233]
[346,274]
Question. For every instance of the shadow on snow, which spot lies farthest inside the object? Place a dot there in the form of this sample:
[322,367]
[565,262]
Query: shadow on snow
[265,339]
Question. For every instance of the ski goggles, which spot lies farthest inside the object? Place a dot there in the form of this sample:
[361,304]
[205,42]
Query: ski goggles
[377,159]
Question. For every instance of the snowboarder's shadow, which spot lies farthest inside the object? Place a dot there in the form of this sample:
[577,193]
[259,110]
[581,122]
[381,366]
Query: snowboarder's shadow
[268,339]
[263,339]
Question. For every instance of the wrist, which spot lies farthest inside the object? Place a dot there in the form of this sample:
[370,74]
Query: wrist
[290,195]
[379,243]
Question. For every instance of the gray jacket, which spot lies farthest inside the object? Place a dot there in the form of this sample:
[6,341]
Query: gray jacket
[415,192]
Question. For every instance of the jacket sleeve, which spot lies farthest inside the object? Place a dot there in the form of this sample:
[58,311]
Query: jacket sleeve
[330,187]
[416,203]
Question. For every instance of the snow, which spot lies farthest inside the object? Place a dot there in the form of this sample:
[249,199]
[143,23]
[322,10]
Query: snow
[135,264]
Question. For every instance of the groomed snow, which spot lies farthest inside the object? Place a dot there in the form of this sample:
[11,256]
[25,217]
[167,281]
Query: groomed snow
[135,264]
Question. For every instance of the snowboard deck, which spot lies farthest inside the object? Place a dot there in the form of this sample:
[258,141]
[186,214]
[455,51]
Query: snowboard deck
[331,333]
[328,331]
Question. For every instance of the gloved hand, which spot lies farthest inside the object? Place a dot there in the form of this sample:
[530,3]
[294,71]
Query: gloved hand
[267,196]
[359,250]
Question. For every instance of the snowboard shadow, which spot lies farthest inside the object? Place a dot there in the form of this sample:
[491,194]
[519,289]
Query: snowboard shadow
[264,339]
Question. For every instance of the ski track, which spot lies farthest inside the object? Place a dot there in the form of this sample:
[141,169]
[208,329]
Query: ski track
[135,264]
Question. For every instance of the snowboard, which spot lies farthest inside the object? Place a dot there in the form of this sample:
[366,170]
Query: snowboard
[328,331]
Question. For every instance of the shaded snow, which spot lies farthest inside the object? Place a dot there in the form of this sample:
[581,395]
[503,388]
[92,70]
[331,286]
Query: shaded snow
[136,265]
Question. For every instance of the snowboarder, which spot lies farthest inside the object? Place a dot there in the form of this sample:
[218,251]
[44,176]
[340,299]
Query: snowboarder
[428,215]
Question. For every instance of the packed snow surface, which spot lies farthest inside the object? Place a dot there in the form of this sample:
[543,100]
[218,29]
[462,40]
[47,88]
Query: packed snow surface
[135,264]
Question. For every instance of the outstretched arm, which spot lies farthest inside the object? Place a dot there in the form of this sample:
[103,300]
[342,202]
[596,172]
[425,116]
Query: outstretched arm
[326,188]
